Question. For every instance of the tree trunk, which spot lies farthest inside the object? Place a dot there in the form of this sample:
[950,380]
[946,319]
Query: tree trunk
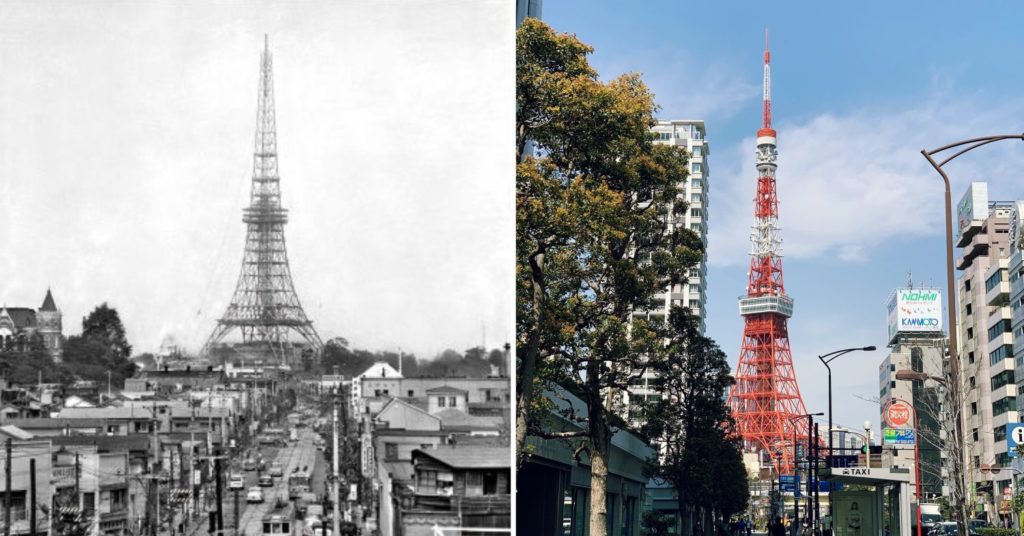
[528,364]
[600,440]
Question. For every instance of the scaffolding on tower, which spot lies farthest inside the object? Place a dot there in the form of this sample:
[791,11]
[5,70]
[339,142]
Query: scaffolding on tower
[765,400]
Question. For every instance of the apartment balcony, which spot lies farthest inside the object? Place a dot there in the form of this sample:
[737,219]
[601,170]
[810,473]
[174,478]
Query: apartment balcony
[972,251]
[998,295]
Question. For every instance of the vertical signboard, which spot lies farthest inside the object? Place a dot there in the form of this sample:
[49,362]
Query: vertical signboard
[973,205]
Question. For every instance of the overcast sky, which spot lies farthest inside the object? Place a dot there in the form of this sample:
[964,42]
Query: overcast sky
[126,140]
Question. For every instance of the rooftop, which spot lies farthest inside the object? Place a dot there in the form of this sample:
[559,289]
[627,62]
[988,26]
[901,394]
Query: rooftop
[468,456]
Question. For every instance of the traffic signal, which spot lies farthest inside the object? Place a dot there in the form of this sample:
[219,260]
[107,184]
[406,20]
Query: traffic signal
[875,449]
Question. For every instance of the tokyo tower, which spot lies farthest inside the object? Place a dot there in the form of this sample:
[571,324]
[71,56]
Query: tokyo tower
[765,400]
[265,307]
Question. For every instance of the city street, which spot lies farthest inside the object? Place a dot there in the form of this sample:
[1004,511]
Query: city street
[295,455]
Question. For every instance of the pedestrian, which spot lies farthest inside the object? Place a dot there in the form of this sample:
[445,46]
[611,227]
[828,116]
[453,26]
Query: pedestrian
[778,529]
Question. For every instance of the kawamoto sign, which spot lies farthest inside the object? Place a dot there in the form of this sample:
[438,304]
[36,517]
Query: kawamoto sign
[915,310]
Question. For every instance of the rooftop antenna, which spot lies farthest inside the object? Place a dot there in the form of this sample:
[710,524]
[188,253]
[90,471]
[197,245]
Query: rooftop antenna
[910,280]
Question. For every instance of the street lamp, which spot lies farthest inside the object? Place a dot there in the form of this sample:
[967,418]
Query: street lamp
[954,360]
[810,478]
[825,360]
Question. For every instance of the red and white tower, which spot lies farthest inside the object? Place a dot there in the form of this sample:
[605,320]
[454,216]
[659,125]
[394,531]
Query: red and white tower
[765,399]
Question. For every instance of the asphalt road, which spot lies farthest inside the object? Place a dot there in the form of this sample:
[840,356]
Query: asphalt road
[295,455]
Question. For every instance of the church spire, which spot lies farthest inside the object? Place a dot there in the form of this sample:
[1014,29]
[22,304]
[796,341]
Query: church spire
[48,304]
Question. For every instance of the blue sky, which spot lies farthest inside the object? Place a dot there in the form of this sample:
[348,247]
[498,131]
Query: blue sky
[858,90]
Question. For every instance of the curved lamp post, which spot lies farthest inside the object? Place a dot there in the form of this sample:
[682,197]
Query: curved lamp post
[961,147]
[825,360]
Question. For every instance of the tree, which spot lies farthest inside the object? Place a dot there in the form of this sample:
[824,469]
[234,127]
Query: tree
[693,424]
[104,325]
[596,237]
[32,363]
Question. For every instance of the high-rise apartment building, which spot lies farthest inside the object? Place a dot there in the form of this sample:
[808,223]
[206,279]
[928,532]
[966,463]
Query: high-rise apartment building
[528,8]
[916,343]
[689,135]
[1016,274]
[986,346]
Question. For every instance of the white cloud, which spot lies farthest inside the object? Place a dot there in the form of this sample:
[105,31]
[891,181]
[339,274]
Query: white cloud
[850,182]
[683,86]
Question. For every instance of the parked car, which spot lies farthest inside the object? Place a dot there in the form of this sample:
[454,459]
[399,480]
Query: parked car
[255,495]
[236,481]
[944,528]
[249,464]
[266,481]
[276,469]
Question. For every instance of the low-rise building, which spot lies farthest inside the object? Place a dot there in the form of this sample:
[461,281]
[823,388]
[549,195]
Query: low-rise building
[455,486]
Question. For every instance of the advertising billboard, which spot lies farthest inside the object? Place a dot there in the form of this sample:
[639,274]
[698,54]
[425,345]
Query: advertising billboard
[973,205]
[915,310]
[1017,226]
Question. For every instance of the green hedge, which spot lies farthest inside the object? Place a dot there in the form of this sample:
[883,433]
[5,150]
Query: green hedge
[996,532]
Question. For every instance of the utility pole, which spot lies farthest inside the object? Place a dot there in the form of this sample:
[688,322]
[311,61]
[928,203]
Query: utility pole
[32,496]
[220,491]
[336,519]
[7,488]
[238,529]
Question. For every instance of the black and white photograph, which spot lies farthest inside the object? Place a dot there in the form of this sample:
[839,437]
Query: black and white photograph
[258,268]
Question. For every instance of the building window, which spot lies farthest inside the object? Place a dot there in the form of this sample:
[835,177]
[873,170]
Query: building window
[1003,326]
[695,198]
[1001,379]
[118,499]
[893,384]
[974,408]
[697,150]
[999,434]
[974,434]
[695,167]
[1003,405]
[696,183]
[440,401]
[390,451]
[970,333]
[968,308]
[410,395]
[994,281]
[1003,352]
[970,358]
[695,212]
[972,382]
[451,401]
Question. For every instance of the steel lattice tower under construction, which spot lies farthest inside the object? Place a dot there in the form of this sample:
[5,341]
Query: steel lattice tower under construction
[765,400]
[265,307]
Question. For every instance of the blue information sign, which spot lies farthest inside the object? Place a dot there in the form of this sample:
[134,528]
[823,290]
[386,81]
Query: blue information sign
[790,483]
[1014,437]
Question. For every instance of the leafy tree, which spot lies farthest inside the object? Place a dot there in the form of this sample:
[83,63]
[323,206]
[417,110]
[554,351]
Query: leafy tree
[31,364]
[595,237]
[104,325]
[655,523]
[101,348]
[692,422]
